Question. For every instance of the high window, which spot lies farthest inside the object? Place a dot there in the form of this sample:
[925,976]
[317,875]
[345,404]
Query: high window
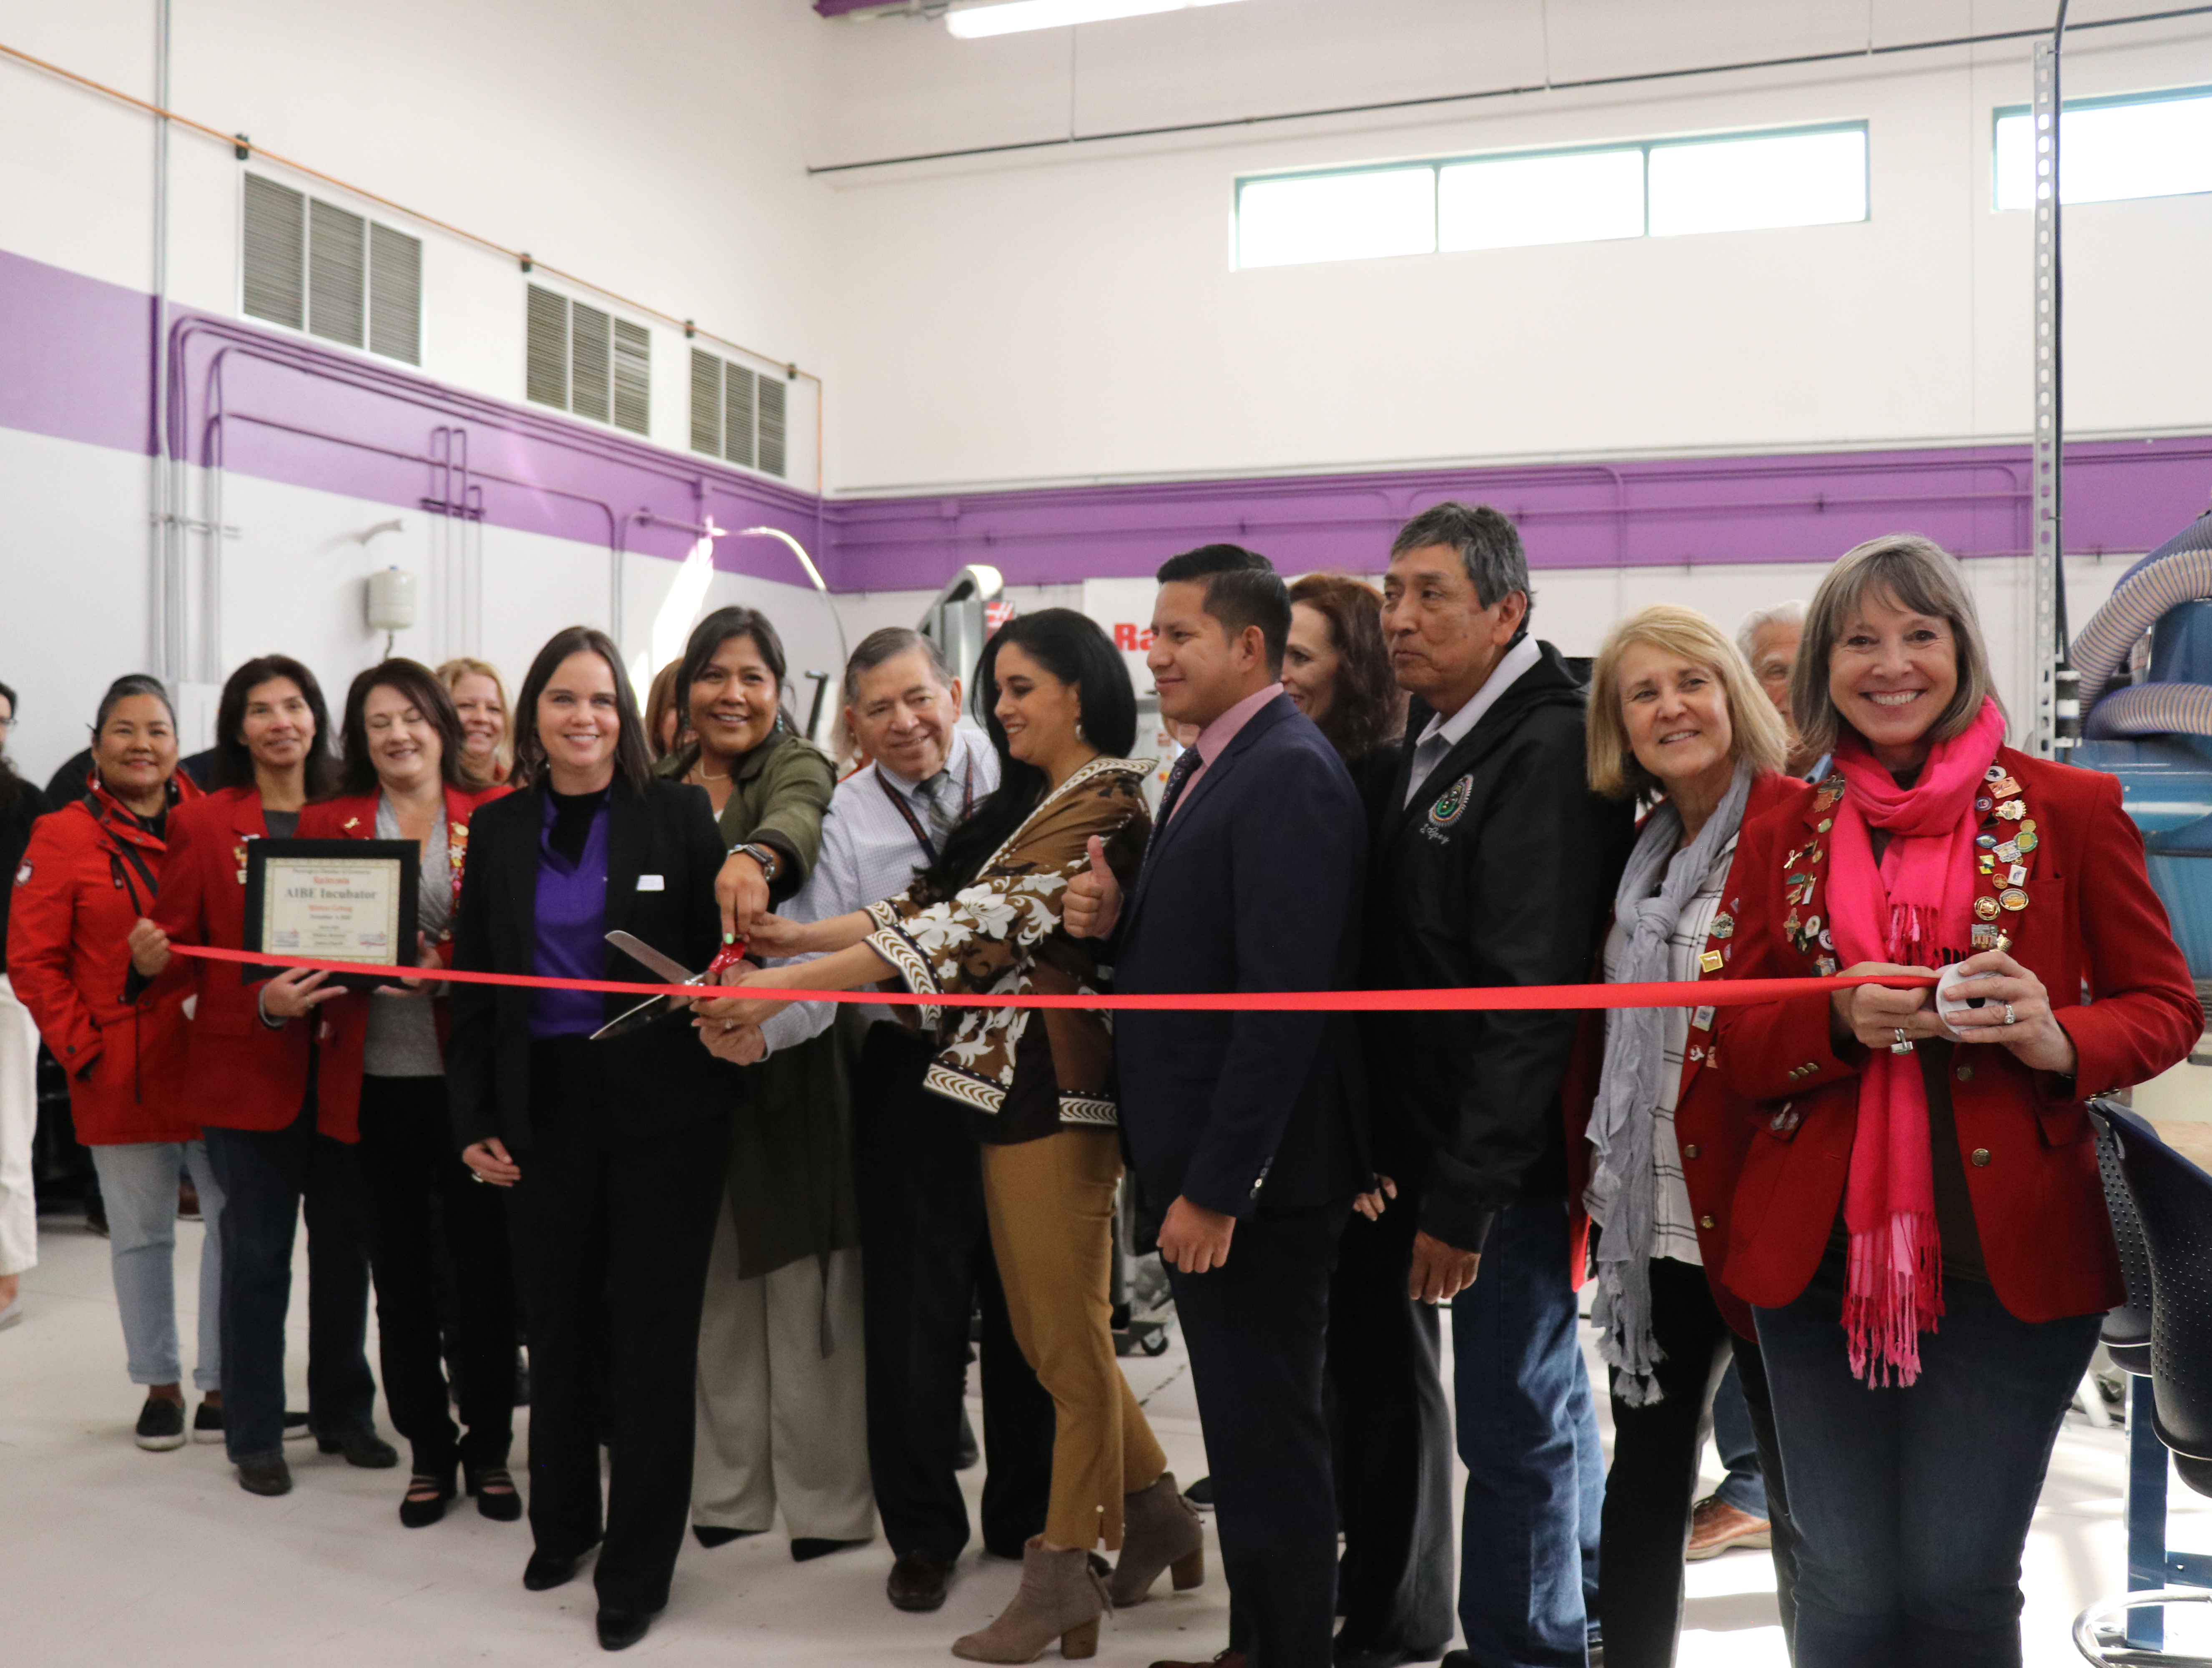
[2141,145]
[1654,188]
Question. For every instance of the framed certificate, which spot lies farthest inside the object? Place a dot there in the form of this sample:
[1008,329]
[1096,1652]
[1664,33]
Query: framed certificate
[332,901]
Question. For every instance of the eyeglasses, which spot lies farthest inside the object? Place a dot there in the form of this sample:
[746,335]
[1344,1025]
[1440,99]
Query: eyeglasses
[8,723]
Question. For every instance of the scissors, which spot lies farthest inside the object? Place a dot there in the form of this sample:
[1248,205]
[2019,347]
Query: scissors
[654,1007]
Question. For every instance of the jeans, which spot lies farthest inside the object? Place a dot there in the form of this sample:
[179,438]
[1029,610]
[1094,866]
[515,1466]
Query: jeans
[265,1176]
[139,1182]
[1743,1487]
[407,1167]
[1911,1505]
[1528,1434]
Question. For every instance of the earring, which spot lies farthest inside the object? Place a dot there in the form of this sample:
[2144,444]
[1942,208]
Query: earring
[1080,736]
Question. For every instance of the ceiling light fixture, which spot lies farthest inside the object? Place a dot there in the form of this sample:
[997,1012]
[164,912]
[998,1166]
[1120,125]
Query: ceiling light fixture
[1012,16]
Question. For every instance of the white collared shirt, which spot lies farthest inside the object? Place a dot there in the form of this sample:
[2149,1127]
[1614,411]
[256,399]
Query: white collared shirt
[869,852]
[1442,734]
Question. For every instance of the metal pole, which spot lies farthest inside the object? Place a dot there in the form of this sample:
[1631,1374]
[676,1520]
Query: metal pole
[168,610]
[2056,726]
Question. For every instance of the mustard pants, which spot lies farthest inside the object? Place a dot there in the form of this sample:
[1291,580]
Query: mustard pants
[1051,1205]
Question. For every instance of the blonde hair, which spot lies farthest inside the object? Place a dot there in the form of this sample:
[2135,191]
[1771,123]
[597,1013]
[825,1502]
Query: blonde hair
[460,666]
[1917,574]
[1760,737]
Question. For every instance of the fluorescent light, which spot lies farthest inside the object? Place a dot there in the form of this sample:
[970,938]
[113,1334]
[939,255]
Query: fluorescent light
[1011,16]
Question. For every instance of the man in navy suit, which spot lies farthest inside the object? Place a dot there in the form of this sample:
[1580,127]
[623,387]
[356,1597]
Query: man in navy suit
[1246,1130]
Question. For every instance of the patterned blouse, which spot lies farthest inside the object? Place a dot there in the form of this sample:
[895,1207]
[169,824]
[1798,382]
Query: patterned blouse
[1000,935]
[1674,1225]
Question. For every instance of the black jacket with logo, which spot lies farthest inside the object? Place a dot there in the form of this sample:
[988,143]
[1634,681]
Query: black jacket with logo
[1500,871]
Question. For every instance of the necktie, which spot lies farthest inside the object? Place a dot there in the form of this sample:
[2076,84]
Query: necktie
[937,793]
[1179,774]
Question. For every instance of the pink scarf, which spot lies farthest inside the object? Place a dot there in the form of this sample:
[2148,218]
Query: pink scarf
[1915,910]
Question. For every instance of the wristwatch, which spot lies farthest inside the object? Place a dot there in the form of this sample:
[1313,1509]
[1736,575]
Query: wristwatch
[764,855]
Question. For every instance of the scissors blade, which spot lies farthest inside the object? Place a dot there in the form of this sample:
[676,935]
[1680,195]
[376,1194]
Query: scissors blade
[644,954]
[653,1007]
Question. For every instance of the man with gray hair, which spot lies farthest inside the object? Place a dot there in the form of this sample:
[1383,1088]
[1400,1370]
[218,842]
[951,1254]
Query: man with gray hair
[1493,865]
[1768,638]
[925,1242]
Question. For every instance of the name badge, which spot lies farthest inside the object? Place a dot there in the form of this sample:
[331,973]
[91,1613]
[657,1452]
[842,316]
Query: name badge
[651,883]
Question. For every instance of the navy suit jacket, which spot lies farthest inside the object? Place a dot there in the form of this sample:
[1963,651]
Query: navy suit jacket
[1253,884]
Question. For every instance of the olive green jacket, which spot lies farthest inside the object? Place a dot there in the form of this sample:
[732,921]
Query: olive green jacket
[791,1170]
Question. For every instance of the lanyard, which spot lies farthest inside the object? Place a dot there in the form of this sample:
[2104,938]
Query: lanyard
[899,803]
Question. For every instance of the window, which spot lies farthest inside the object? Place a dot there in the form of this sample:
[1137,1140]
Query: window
[310,265]
[1657,188]
[2152,145]
[583,359]
[738,414]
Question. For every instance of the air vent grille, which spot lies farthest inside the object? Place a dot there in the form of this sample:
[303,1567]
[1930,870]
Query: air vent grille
[772,391]
[582,358]
[337,273]
[308,265]
[395,294]
[276,253]
[737,413]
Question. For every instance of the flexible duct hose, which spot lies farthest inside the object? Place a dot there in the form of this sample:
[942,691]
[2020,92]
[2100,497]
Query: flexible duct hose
[2153,709]
[2178,571]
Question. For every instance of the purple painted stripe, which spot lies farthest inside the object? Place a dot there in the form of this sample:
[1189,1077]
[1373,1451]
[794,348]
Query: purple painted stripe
[2126,495]
[73,363]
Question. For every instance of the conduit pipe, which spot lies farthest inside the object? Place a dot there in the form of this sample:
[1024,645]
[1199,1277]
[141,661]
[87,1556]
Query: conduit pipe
[2178,571]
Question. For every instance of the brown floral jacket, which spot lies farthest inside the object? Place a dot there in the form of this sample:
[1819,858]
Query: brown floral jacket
[1001,935]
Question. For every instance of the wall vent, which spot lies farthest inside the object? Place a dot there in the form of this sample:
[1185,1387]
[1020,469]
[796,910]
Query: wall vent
[311,265]
[738,414]
[582,358]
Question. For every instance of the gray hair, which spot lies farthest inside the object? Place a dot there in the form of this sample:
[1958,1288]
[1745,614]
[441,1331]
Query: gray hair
[1915,574]
[130,684]
[888,644]
[1489,548]
[1791,613]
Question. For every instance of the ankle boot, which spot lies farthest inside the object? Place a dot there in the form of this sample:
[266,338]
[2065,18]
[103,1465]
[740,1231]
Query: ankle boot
[1061,1597]
[1160,1531]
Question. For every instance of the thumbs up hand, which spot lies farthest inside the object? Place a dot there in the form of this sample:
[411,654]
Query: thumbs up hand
[1093,900]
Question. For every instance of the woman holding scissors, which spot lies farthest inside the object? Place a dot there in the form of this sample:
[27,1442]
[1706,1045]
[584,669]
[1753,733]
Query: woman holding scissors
[617,1150]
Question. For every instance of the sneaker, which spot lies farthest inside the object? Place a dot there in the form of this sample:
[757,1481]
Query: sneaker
[1716,1527]
[160,1425]
[207,1424]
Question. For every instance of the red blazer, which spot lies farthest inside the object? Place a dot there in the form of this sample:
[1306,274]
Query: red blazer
[1712,1124]
[2090,927]
[355,818]
[88,874]
[240,1074]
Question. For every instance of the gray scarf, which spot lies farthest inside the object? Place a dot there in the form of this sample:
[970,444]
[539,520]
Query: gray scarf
[1623,1186]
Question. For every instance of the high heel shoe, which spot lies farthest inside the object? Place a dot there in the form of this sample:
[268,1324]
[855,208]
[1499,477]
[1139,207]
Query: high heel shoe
[1160,1530]
[1061,1597]
[427,1495]
[493,1489]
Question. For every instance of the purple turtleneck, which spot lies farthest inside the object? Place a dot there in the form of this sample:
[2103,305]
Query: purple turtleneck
[571,912]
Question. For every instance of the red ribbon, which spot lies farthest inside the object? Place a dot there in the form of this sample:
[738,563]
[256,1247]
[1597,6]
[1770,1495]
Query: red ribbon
[1678,993]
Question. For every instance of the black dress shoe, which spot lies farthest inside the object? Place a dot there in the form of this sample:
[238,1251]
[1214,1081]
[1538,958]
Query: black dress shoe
[619,1628]
[917,1581]
[552,1569]
[805,1548]
[264,1474]
[711,1536]
[364,1448]
[1370,1656]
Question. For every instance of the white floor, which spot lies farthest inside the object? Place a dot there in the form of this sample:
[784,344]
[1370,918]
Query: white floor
[109,1555]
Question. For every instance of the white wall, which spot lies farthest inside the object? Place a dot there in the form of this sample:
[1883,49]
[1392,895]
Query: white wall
[1072,312]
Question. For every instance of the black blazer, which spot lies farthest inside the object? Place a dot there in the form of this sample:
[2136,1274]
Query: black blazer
[1501,871]
[1253,884]
[654,1080]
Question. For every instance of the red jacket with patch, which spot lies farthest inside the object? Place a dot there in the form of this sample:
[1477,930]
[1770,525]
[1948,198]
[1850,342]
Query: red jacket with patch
[88,873]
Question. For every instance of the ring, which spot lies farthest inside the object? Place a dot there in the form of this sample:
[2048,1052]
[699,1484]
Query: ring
[1902,1045]
[478,1174]
[2010,1018]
